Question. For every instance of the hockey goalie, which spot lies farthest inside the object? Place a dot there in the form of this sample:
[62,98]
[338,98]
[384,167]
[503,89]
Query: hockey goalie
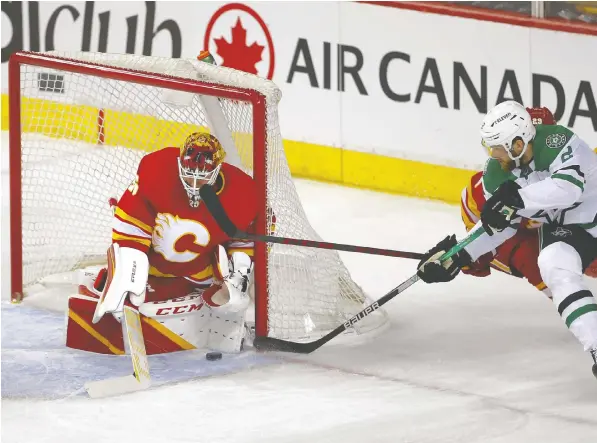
[169,259]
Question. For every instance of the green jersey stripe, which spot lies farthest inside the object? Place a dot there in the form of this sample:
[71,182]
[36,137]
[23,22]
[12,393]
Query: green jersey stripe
[580,311]
[572,180]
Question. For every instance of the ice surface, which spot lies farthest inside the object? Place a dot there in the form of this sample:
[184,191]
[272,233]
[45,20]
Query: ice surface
[474,360]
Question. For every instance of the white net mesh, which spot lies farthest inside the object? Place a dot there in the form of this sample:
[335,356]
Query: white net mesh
[83,136]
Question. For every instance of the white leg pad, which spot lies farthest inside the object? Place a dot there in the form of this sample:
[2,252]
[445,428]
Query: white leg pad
[187,317]
[227,330]
[202,326]
[198,324]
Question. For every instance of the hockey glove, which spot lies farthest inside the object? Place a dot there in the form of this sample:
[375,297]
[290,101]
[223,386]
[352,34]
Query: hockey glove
[431,270]
[231,294]
[501,207]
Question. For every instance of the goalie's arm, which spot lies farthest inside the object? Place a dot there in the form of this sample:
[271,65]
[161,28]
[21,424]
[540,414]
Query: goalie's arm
[128,264]
[229,293]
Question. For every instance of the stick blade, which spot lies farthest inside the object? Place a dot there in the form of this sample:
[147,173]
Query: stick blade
[275,344]
[115,386]
[140,379]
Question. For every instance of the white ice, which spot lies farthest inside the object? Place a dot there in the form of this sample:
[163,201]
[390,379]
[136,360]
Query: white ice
[474,360]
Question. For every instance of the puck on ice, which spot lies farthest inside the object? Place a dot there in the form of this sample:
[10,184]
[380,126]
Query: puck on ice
[211,356]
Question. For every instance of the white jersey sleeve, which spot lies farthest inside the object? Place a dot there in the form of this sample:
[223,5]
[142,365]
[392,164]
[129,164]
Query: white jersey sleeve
[566,181]
[486,243]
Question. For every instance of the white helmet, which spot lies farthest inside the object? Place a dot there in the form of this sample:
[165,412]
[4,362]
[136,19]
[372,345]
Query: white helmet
[506,122]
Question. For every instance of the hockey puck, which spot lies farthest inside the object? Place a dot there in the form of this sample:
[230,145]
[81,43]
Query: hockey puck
[212,356]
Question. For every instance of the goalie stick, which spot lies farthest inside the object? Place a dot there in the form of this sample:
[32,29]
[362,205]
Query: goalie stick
[208,195]
[275,344]
[140,378]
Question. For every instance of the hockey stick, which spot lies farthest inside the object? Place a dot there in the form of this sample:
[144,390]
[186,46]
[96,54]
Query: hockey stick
[208,195]
[275,344]
[140,378]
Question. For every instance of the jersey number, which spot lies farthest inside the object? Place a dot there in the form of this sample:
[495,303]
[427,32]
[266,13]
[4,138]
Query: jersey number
[567,155]
[134,186]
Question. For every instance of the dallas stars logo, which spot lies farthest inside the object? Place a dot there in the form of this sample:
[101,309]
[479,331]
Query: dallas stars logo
[562,232]
[556,141]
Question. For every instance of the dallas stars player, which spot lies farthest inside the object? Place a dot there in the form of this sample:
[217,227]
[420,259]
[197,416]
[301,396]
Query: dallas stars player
[544,173]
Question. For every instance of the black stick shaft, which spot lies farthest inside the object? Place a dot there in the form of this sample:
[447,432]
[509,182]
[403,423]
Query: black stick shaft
[214,206]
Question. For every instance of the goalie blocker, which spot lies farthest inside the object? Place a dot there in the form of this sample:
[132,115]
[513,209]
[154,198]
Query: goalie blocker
[175,313]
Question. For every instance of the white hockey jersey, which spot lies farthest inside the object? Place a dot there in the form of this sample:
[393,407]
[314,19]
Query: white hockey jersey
[558,186]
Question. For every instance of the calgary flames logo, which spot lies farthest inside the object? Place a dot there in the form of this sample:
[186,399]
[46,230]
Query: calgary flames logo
[178,240]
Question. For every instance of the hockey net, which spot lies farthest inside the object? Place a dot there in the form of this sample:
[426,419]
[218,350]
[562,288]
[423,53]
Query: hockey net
[81,122]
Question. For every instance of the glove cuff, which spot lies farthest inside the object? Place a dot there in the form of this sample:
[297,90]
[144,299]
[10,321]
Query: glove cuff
[462,259]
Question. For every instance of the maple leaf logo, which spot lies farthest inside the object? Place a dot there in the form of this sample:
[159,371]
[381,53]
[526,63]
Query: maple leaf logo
[236,54]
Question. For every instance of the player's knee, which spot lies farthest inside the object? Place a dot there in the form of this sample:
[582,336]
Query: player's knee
[559,263]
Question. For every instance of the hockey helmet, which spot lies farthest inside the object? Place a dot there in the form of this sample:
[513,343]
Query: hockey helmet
[506,123]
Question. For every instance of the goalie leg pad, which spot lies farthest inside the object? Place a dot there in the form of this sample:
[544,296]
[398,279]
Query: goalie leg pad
[179,324]
[104,337]
[227,331]
[167,327]
[182,321]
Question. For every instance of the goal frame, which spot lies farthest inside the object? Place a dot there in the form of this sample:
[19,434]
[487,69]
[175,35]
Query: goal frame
[259,121]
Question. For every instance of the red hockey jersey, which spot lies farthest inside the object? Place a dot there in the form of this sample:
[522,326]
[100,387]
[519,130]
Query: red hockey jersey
[154,216]
[520,251]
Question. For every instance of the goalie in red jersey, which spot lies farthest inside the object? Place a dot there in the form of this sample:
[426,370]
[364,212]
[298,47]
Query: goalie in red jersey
[518,255]
[167,250]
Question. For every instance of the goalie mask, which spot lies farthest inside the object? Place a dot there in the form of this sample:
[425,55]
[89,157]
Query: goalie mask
[199,163]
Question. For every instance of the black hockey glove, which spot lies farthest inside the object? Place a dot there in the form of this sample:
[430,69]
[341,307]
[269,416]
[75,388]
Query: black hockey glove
[430,270]
[501,207]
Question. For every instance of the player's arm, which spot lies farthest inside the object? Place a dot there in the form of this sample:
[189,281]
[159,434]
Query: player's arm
[565,185]
[128,265]
[430,269]
[486,243]
[134,218]
[560,190]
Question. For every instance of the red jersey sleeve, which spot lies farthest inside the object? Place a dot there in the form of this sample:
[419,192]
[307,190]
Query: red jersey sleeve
[472,201]
[248,247]
[134,217]
[241,205]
